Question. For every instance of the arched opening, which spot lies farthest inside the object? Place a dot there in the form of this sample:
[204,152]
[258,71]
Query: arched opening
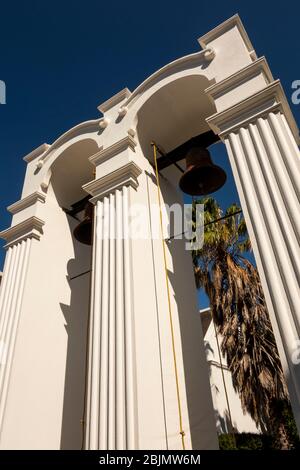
[71,170]
[174,114]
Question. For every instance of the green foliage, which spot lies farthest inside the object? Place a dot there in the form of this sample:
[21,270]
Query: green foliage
[226,442]
[290,426]
[245,441]
[249,441]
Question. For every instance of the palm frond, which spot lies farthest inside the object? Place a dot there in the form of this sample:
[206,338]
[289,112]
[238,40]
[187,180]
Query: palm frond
[239,311]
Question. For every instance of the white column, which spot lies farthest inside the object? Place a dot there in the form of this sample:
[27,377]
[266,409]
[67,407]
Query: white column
[265,162]
[19,240]
[111,402]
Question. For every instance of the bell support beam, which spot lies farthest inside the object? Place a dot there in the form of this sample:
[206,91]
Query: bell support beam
[111,407]
[261,138]
[202,140]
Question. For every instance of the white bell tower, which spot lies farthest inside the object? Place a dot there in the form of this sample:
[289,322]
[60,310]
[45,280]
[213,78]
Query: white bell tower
[87,350]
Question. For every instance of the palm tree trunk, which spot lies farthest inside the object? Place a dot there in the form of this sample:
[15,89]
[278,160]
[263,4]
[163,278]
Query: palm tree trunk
[279,432]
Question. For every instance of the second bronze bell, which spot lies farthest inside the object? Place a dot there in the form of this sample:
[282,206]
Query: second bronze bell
[201,176]
[83,231]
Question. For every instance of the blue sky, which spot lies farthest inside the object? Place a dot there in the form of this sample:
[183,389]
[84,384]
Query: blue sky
[60,59]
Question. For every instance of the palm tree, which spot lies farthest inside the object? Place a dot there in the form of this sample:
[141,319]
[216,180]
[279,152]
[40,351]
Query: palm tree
[239,311]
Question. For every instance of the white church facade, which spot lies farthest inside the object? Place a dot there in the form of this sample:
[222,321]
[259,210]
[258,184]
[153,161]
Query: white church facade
[89,357]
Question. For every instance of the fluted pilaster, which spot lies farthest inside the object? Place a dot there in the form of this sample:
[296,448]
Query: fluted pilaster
[274,197]
[111,404]
[19,240]
[265,161]
[271,200]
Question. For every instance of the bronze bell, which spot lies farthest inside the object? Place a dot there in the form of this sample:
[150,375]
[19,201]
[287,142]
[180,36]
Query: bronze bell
[201,176]
[83,231]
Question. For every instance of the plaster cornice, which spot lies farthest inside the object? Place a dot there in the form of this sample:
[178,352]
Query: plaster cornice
[114,100]
[259,66]
[226,26]
[29,228]
[188,60]
[105,154]
[86,126]
[270,99]
[126,175]
[36,153]
[26,202]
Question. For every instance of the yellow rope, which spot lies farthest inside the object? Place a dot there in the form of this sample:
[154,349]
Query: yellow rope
[182,433]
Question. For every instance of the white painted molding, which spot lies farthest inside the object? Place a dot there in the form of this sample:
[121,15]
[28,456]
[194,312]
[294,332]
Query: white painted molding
[104,123]
[209,54]
[86,126]
[206,54]
[114,100]
[131,132]
[234,21]
[259,66]
[270,99]
[39,164]
[126,175]
[36,153]
[122,111]
[190,60]
[26,202]
[46,181]
[105,154]
[29,228]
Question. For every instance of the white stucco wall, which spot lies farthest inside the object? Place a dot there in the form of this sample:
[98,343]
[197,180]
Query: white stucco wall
[46,393]
[242,422]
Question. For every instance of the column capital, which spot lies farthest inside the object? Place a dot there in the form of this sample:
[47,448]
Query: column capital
[29,228]
[104,154]
[126,175]
[271,99]
[27,201]
[240,85]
